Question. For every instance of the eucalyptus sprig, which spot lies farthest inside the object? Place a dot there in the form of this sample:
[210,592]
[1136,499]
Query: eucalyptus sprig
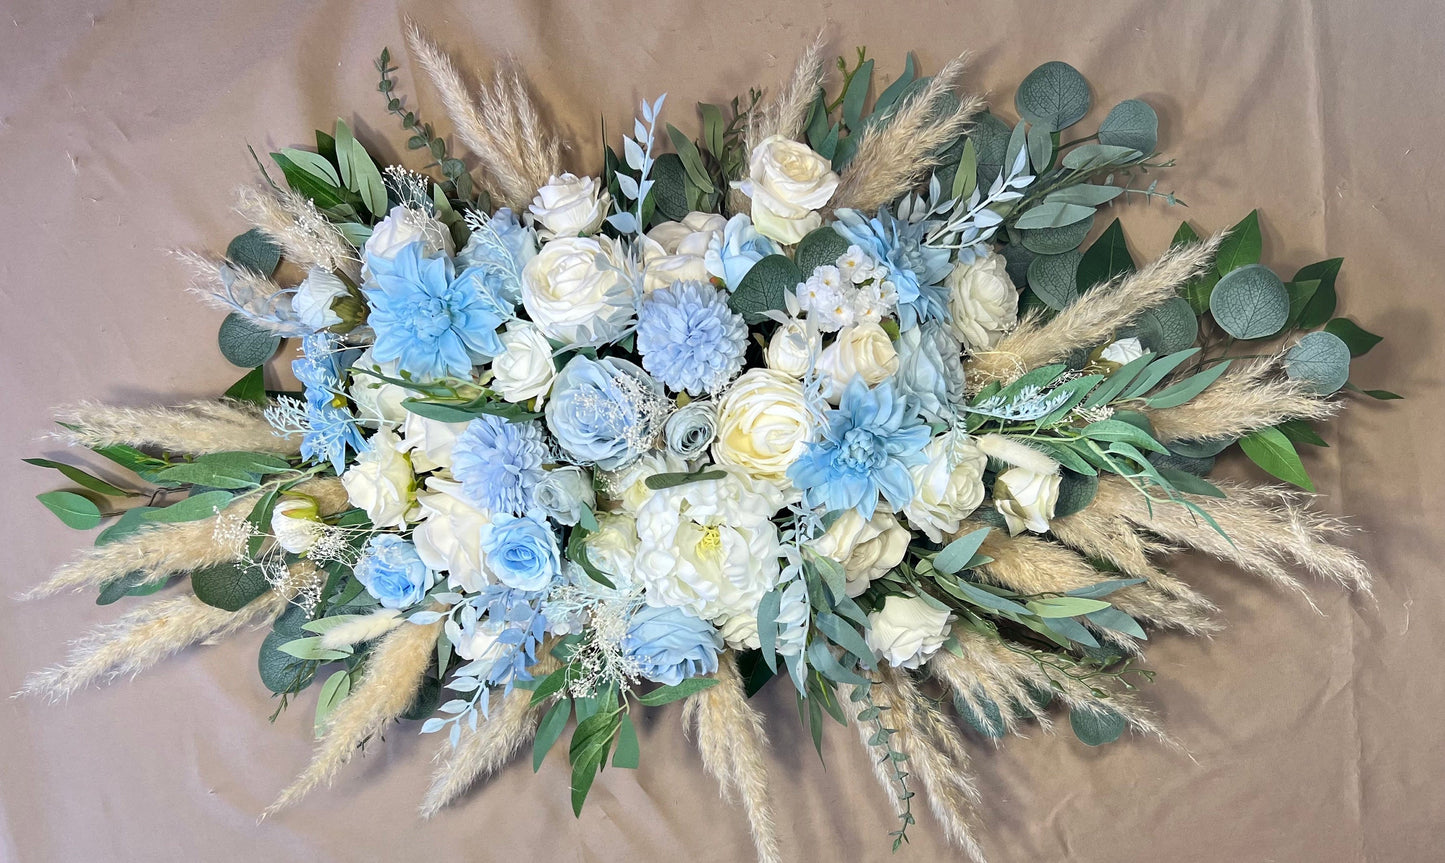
[458,184]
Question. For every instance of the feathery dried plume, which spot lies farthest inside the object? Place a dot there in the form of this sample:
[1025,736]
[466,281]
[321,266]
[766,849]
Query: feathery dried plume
[1246,398]
[198,427]
[935,755]
[243,291]
[483,751]
[1093,318]
[787,113]
[502,126]
[365,628]
[895,156]
[307,238]
[393,675]
[733,744]
[1016,453]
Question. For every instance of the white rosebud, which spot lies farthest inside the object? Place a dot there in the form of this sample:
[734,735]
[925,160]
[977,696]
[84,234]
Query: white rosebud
[947,487]
[862,350]
[1123,351]
[404,226]
[578,290]
[429,441]
[377,402]
[906,631]
[380,481]
[660,269]
[296,524]
[763,425]
[788,183]
[983,303]
[569,206]
[564,491]
[1026,499]
[691,236]
[866,549]
[449,537]
[628,485]
[525,369]
[314,296]
[793,349]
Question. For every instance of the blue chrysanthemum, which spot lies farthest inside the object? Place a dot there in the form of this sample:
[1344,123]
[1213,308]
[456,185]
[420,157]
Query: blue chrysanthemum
[869,443]
[916,270]
[429,319]
[499,463]
[689,338]
[330,429]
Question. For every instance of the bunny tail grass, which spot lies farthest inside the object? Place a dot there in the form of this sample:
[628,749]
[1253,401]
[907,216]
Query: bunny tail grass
[1244,399]
[733,745]
[482,752]
[197,427]
[292,221]
[388,687]
[1093,318]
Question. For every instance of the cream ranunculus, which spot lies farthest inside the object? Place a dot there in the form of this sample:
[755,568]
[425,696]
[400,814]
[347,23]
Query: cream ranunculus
[628,485]
[570,205]
[860,350]
[1026,499]
[429,441]
[404,226]
[948,486]
[380,481]
[983,303]
[907,630]
[867,549]
[763,425]
[1123,351]
[793,349]
[377,402]
[788,183]
[578,290]
[296,524]
[449,537]
[525,369]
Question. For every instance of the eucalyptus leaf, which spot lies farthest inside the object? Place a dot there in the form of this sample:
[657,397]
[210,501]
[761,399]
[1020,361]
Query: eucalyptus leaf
[245,344]
[1169,327]
[1041,148]
[1133,124]
[1053,215]
[1054,95]
[1087,194]
[990,137]
[1076,491]
[764,288]
[255,251]
[1097,726]
[820,248]
[229,586]
[1056,241]
[1322,359]
[1093,157]
[1054,279]
[1250,302]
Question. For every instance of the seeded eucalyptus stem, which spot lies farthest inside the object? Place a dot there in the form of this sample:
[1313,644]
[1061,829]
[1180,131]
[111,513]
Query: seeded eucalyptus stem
[882,739]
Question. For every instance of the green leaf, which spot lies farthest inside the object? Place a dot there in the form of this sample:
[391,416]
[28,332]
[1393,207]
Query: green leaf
[819,248]
[229,586]
[1111,388]
[255,251]
[1055,241]
[1118,430]
[551,685]
[130,584]
[1322,358]
[1064,606]
[956,555]
[1054,95]
[245,344]
[554,721]
[1169,327]
[768,610]
[1250,302]
[1300,294]
[1157,371]
[1182,391]
[1273,452]
[666,694]
[280,672]
[74,510]
[990,723]
[1242,247]
[660,481]
[195,507]
[669,190]
[893,92]
[1300,431]
[764,288]
[1113,618]
[825,663]
[1189,483]
[325,195]
[855,95]
[367,180]
[965,176]
[628,754]
[713,129]
[1093,157]
[309,648]
[691,158]
[1382,395]
[1133,124]
[1098,726]
[312,163]
[129,522]
[990,137]
[1087,194]
[80,477]
[1321,306]
[840,633]
[1106,258]
[1053,215]
[251,388]
[1041,150]
[214,476]
[1076,491]
[333,692]
[1358,339]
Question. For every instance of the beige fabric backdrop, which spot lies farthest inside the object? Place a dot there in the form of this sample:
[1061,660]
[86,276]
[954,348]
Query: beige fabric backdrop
[1309,736]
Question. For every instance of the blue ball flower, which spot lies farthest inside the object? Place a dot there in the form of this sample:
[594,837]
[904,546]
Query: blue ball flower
[869,443]
[689,338]
[669,645]
[521,550]
[605,412]
[393,572]
[499,463]
[916,271]
[428,319]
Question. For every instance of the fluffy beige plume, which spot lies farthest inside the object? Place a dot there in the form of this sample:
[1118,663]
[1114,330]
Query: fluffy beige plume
[307,238]
[733,745]
[1017,453]
[787,113]
[894,157]
[483,751]
[1093,318]
[502,125]
[229,289]
[935,755]
[1246,398]
[366,627]
[195,427]
[394,673]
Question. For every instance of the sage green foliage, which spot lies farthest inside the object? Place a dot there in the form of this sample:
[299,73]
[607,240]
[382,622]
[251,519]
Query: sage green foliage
[764,288]
[255,251]
[245,344]
[1250,302]
[458,183]
[229,586]
[1321,358]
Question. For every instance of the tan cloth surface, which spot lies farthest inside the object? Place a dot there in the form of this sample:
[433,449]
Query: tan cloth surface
[1305,737]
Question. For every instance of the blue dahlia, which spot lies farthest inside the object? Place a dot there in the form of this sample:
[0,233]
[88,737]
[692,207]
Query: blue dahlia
[916,271]
[429,319]
[329,429]
[869,442]
[689,338]
[499,463]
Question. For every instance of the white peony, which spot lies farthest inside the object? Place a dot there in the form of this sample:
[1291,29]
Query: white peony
[1026,499]
[1123,351]
[867,549]
[628,485]
[907,630]
[788,183]
[404,226]
[948,486]
[579,290]
[429,441]
[296,524]
[763,425]
[861,350]
[525,369]
[380,481]
[377,402]
[449,537]
[570,205]
[314,296]
[983,303]
[793,349]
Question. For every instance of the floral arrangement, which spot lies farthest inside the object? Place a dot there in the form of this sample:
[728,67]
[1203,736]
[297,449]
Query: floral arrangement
[835,393]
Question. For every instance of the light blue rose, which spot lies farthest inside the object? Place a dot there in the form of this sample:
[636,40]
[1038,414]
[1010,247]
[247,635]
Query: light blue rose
[731,255]
[392,571]
[605,412]
[691,429]
[669,645]
[521,550]
[930,369]
[499,250]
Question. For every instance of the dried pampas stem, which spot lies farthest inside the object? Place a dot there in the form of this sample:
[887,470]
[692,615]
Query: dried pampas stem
[307,238]
[194,427]
[1246,398]
[389,685]
[243,291]
[366,627]
[895,156]
[733,745]
[787,113]
[1093,318]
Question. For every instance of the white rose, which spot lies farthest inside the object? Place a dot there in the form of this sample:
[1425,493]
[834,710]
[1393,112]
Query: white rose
[295,523]
[380,481]
[1123,351]
[613,547]
[948,486]
[570,205]
[793,349]
[660,269]
[983,303]
[564,491]
[578,290]
[628,485]
[404,226]
[788,184]
[763,425]
[314,296]
[863,350]
[377,402]
[449,537]
[906,631]
[1026,499]
[429,441]
[690,236]
[867,549]
[525,369]
[740,630]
